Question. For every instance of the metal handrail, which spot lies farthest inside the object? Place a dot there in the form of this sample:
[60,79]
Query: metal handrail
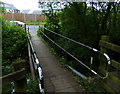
[37,66]
[86,46]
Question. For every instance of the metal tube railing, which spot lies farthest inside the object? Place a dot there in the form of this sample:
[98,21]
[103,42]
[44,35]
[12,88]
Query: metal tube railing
[86,46]
[37,66]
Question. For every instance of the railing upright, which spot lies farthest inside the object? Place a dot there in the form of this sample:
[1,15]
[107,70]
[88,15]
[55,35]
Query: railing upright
[36,64]
[85,46]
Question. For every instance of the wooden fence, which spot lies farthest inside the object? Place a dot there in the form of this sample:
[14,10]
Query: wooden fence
[18,76]
[112,82]
[23,17]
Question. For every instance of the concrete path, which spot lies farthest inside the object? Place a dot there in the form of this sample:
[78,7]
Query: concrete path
[56,77]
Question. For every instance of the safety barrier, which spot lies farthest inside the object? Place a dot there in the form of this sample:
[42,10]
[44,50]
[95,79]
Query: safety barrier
[86,46]
[36,64]
[19,74]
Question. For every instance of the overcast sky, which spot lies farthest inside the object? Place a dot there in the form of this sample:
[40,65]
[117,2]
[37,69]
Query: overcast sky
[23,4]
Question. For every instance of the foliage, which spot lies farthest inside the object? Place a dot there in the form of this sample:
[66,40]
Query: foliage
[89,86]
[14,45]
[2,8]
[6,88]
[33,86]
[85,24]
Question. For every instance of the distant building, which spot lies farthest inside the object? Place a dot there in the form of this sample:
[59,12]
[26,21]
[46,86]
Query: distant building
[35,12]
[28,11]
[10,8]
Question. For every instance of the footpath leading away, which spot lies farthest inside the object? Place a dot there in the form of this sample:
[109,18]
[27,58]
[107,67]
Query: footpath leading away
[56,77]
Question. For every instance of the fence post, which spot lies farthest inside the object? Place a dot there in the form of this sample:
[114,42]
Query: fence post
[25,27]
[35,17]
[20,85]
[103,38]
[102,65]
[102,58]
[31,64]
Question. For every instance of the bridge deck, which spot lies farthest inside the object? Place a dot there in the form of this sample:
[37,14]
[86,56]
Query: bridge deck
[56,77]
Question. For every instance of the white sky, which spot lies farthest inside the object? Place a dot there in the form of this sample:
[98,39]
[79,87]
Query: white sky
[23,4]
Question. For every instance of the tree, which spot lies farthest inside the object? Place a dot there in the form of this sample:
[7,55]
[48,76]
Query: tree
[2,8]
[85,24]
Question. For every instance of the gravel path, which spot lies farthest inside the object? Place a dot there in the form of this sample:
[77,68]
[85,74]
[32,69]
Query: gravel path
[56,77]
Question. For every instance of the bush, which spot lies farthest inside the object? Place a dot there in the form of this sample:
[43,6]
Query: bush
[14,45]
[86,25]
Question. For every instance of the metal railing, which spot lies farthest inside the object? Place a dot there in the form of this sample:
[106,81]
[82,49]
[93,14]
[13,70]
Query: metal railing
[36,64]
[86,46]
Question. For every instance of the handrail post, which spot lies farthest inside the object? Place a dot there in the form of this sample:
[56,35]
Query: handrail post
[34,61]
[25,27]
[103,65]
[20,85]
[30,57]
[30,62]
[28,29]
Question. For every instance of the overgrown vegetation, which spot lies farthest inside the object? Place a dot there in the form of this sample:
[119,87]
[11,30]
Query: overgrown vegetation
[15,49]
[14,45]
[33,86]
[88,84]
[85,23]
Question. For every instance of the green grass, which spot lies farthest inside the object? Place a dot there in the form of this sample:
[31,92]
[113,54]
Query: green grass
[89,84]
[35,23]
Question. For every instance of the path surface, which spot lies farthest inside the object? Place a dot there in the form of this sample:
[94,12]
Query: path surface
[56,77]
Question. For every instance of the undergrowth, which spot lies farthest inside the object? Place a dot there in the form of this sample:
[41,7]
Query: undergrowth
[88,86]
